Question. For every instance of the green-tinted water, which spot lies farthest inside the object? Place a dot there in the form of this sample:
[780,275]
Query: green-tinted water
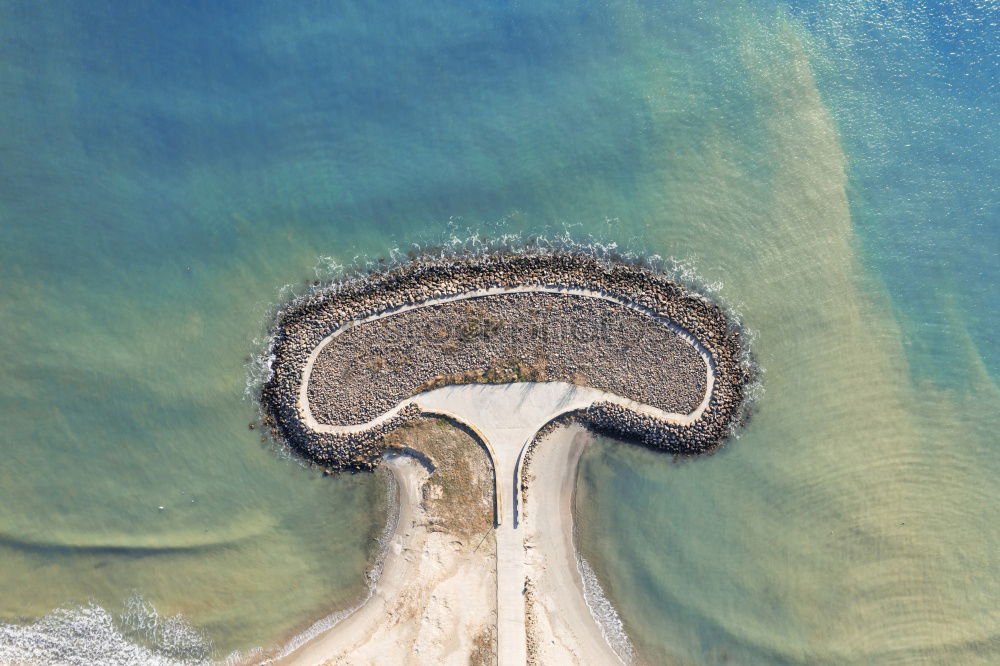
[166,170]
[852,522]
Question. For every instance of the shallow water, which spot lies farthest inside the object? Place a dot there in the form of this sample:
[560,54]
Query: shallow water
[168,170]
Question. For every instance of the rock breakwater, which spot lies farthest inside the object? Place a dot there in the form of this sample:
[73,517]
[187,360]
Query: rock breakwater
[348,354]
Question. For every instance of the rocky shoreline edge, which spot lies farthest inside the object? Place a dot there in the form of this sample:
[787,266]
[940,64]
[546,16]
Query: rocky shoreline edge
[303,324]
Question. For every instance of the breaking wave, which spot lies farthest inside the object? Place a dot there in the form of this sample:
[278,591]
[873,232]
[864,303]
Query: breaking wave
[604,613]
[89,635]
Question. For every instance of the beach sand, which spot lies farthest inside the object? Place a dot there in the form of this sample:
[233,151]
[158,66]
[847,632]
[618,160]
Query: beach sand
[435,600]
[560,626]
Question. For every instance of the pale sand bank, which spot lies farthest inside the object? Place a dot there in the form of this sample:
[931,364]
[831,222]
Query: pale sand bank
[435,601]
[560,625]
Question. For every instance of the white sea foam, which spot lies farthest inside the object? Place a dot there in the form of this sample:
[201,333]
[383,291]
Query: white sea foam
[604,613]
[90,635]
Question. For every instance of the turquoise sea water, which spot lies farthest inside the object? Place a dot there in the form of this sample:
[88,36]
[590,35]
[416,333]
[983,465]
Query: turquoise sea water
[169,172]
